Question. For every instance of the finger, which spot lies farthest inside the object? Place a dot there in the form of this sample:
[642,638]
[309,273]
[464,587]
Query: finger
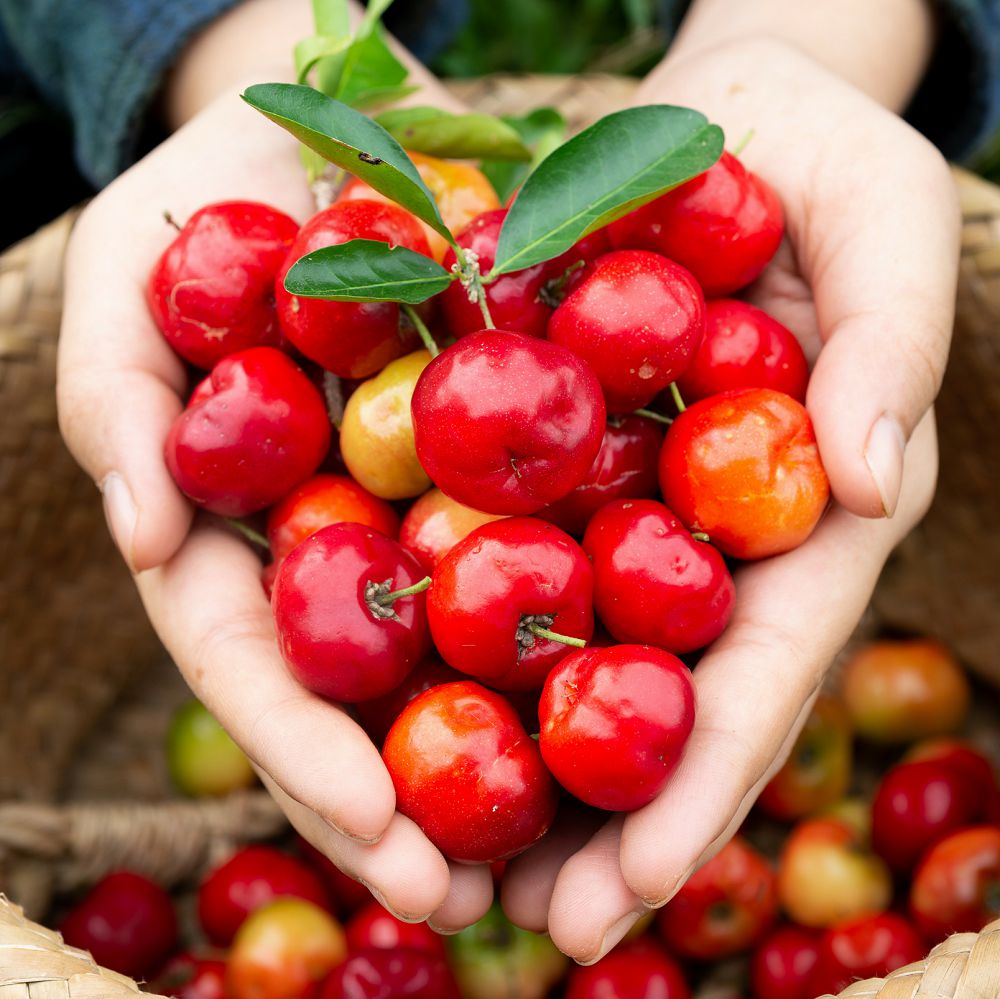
[208,606]
[403,871]
[470,894]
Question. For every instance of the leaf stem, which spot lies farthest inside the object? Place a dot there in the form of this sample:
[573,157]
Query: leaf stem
[743,143]
[248,532]
[678,401]
[650,415]
[539,632]
[421,327]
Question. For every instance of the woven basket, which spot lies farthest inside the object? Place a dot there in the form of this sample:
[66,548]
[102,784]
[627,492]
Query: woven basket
[73,637]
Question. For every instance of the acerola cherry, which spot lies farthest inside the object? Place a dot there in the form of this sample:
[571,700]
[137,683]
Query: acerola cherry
[783,964]
[969,761]
[631,971]
[375,928]
[250,878]
[391,974]
[435,524]
[251,432]
[505,423]
[744,347]
[744,468]
[188,976]
[725,907]
[496,592]
[321,501]
[468,774]
[212,292]
[126,922]
[349,625]
[637,320]
[614,722]
[625,468]
[351,339]
[724,226]
[653,582]
[202,758]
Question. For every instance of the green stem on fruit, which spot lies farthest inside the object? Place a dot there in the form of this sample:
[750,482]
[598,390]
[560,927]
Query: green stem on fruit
[387,599]
[467,270]
[553,292]
[421,327]
[334,395]
[170,220]
[700,536]
[743,143]
[678,401]
[650,415]
[379,598]
[553,636]
[248,532]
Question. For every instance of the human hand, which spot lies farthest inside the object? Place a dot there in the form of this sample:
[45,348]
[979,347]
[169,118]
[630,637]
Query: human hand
[866,278]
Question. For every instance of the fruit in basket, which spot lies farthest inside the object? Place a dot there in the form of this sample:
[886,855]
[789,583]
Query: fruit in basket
[202,758]
[497,589]
[967,759]
[724,226]
[744,347]
[724,908]
[284,950]
[468,774]
[126,922]
[400,973]
[818,769]
[744,468]
[435,524]
[351,339]
[252,877]
[638,970]
[783,964]
[350,625]
[211,293]
[653,582]
[614,723]
[375,928]
[251,432]
[506,423]
[190,976]
[636,319]
[899,691]
[376,435]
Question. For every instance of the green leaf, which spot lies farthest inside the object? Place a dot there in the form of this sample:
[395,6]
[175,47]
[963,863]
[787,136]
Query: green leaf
[369,65]
[312,50]
[351,141]
[622,161]
[333,21]
[331,17]
[380,96]
[372,16]
[454,136]
[365,270]
[542,130]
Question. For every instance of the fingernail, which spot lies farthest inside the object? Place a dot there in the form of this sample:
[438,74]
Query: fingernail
[613,937]
[357,837]
[120,513]
[380,898]
[884,458]
[442,930]
[661,901]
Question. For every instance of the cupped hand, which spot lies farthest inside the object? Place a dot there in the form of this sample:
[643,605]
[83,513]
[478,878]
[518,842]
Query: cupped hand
[866,278]
[119,389]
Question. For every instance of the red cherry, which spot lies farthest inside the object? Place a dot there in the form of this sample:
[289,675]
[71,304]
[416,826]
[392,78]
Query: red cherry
[126,922]
[653,582]
[614,722]
[340,632]
[395,974]
[744,347]
[569,269]
[637,320]
[625,468]
[188,976]
[964,757]
[375,928]
[435,524]
[783,964]
[630,971]
[505,423]
[351,339]
[724,226]
[494,586]
[468,774]
[744,468]
[251,432]
[250,878]
[212,292]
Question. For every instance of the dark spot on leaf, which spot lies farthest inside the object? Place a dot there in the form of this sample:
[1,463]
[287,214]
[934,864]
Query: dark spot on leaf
[368,158]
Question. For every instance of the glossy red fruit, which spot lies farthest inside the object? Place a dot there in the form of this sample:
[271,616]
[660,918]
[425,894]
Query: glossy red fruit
[468,774]
[250,878]
[126,922]
[614,722]
[251,432]
[321,501]
[346,894]
[744,347]
[625,468]
[505,423]
[188,976]
[351,339]
[654,584]
[868,947]
[569,269]
[340,632]
[630,971]
[637,320]
[212,292]
[744,468]
[375,928]
[724,226]
[495,586]
[967,759]
[391,974]
[435,524]
[956,888]
[783,964]
[725,907]
[916,805]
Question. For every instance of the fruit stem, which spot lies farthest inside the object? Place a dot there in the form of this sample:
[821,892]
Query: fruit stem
[379,599]
[421,327]
[387,599]
[744,142]
[467,270]
[334,395]
[539,632]
[170,220]
[554,291]
[678,401]
[650,415]
[248,532]
[700,536]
